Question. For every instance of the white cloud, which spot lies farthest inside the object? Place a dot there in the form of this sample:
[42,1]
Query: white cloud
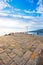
[10,25]
[27,11]
[28,17]
[19,25]
[14,23]
[3,4]
[38,23]
[4,14]
[40,8]
[21,16]
[12,10]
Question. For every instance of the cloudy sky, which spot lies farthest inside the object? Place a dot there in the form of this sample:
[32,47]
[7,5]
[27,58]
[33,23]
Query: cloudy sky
[16,15]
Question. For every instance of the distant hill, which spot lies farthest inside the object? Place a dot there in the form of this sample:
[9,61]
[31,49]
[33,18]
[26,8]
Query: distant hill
[37,32]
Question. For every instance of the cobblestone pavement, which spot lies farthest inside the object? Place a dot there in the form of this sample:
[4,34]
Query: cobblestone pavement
[20,49]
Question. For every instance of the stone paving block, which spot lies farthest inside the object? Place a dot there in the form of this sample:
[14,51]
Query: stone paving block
[13,63]
[31,62]
[27,55]
[5,58]
[23,61]
[18,51]
[17,59]
[1,63]
[12,54]
[8,51]
[1,50]
[11,47]
[32,48]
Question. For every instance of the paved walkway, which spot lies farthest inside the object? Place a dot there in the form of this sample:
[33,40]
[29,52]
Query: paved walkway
[19,49]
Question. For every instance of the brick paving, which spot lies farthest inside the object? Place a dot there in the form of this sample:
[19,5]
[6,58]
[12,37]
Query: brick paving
[20,49]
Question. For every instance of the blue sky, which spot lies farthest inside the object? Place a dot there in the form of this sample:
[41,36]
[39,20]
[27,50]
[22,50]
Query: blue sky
[15,15]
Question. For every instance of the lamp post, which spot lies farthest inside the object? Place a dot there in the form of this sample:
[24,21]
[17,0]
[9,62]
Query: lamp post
[27,29]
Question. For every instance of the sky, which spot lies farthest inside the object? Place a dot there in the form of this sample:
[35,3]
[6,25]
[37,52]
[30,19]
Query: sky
[16,15]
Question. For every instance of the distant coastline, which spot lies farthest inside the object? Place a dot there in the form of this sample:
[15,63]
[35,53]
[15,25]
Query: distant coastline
[36,32]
